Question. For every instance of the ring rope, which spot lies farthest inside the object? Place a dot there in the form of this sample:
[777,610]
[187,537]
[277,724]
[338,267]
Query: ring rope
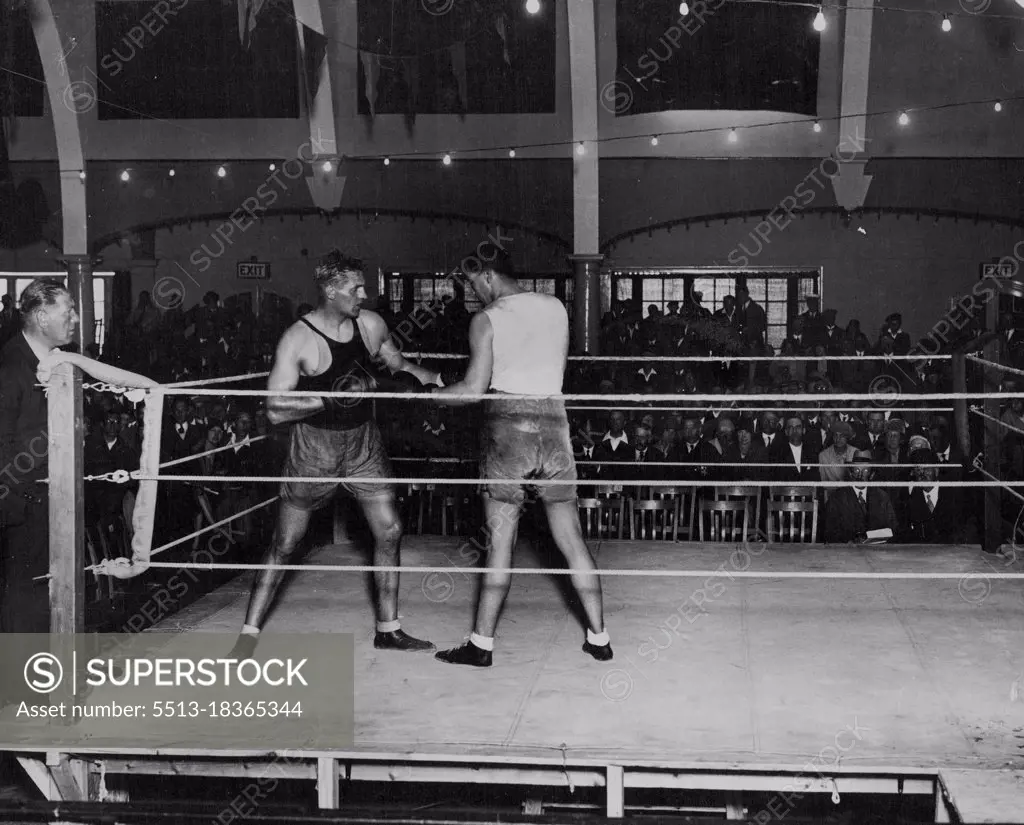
[986,363]
[561,571]
[1008,489]
[188,458]
[820,398]
[590,462]
[709,358]
[761,409]
[977,411]
[227,380]
[546,482]
[125,569]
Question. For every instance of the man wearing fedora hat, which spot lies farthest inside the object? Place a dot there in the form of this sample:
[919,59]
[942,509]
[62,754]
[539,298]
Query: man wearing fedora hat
[851,512]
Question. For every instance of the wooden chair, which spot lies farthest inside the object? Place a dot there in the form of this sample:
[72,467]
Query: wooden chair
[792,520]
[656,519]
[791,493]
[425,503]
[687,497]
[728,521]
[603,518]
[752,496]
[454,502]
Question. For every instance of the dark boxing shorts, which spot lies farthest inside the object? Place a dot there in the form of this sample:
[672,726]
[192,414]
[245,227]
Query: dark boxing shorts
[523,441]
[316,452]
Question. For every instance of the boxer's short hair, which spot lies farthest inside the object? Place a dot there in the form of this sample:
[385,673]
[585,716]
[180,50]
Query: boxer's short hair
[335,264]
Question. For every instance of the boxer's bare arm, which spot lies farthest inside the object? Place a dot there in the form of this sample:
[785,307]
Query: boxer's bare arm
[481,361]
[382,348]
[284,376]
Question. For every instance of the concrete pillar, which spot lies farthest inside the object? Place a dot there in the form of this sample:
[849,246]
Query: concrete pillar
[80,286]
[586,303]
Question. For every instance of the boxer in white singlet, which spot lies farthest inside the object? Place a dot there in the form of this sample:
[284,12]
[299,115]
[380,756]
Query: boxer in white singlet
[518,345]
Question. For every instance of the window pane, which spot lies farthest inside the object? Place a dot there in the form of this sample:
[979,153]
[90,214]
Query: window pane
[710,289]
[624,289]
[653,291]
[675,289]
[396,292]
[422,290]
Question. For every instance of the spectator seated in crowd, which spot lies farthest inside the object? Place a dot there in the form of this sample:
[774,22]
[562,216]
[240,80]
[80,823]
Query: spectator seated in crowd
[853,512]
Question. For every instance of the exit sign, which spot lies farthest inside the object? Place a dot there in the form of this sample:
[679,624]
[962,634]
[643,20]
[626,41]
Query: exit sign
[997,270]
[254,271]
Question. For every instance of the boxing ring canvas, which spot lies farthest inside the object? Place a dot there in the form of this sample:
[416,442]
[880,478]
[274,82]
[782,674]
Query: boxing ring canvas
[815,685]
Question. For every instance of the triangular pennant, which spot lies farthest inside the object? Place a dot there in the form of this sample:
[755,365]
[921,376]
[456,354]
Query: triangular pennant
[371,69]
[248,12]
[314,50]
[458,55]
[499,24]
[411,75]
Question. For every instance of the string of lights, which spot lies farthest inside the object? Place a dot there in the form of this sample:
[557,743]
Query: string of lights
[580,148]
[732,132]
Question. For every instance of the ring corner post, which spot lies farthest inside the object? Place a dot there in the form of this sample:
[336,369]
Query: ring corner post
[66,501]
[992,533]
[586,303]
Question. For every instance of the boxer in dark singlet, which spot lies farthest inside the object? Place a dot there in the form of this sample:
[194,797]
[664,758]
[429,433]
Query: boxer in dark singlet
[336,348]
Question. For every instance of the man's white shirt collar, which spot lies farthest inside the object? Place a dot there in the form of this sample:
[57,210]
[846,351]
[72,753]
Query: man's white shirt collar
[616,441]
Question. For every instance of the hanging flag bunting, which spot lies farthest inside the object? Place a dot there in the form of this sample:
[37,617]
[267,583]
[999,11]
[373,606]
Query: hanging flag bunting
[499,24]
[313,48]
[411,76]
[458,55]
[248,12]
[371,68]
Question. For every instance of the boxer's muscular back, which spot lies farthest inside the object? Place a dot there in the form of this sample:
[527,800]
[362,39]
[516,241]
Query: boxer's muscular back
[530,343]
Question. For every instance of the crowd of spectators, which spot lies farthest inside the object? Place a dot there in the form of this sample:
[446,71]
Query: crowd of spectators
[737,440]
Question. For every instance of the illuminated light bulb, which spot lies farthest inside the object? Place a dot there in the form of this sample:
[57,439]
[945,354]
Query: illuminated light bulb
[998,106]
[532,6]
[81,175]
[387,161]
[947,26]
[580,148]
[817,126]
[447,160]
[273,167]
[170,173]
[684,9]
[733,137]
[125,177]
[904,118]
[654,141]
[221,172]
[511,153]
[328,166]
[819,21]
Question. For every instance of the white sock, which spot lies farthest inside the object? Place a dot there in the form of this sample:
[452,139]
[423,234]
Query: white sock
[482,642]
[250,630]
[598,639]
[389,627]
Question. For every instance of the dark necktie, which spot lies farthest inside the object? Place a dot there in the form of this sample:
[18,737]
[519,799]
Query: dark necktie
[861,500]
[930,502]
